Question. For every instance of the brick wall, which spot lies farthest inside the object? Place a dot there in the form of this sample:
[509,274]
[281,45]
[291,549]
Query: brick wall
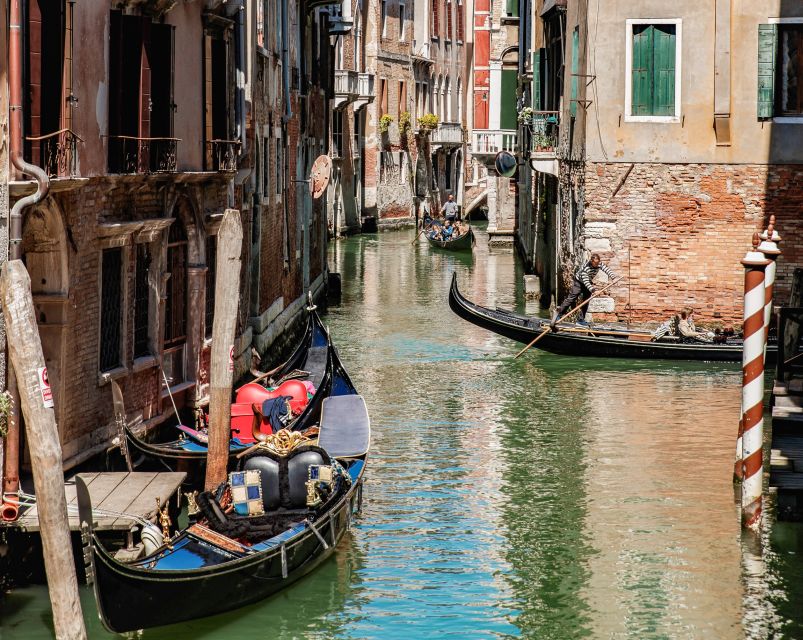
[680,231]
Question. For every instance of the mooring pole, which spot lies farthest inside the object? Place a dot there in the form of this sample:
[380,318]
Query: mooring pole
[25,349]
[752,423]
[221,370]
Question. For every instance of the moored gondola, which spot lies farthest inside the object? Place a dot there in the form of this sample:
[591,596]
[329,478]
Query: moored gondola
[224,561]
[462,243]
[611,342]
[312,356]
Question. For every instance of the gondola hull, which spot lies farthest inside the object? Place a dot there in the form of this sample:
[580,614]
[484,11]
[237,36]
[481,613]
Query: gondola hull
[463,243]
[525,329]
[131,598]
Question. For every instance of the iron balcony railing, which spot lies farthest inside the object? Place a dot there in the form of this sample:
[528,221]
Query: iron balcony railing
[221,155]
[56,153]
[131,154]
[489,142]
[544,130]
[447,133]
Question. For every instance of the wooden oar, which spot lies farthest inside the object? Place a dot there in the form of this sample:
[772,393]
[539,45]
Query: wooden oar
[423,228]
[579,306]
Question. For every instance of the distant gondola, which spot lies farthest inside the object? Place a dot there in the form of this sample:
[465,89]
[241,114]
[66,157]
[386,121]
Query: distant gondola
[461,243]
[202,571]
[611,342]
[312,355]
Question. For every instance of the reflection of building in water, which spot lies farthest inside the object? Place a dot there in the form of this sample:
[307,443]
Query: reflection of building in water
[660,505]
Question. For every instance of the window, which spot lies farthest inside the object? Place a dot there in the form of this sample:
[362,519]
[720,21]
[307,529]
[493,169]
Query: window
[140,95]
[461,25]
[384,18]
[265,167]
[402,18]
[175,307]
[780,68]
[261,24]
[383,96]
[435,25]
[652,87]
[402,97]
[512,8]
[449,19]
[142,296]
[211,273]
[220,152]
[575,71]
[111,305]
[337,133]
[279,164]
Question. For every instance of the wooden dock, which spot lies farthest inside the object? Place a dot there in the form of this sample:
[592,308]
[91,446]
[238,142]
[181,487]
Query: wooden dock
[786,458]
[130,493]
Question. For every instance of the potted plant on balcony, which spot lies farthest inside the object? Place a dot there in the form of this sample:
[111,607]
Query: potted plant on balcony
[384,127]
[404,127]
[526,116]
[428,122]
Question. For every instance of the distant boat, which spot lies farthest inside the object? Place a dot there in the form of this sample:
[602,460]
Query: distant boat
[227,561]
[462,243]
[604,341]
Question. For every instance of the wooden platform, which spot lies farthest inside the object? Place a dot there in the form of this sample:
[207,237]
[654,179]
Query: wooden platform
[132,493]
[786,457]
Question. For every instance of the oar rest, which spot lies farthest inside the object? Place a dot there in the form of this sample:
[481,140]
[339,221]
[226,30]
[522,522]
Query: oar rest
[345,428]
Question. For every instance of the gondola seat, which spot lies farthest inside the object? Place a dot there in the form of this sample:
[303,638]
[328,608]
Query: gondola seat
[345,428]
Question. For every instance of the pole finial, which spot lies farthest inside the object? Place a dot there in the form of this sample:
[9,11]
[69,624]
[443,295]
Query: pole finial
[756,241]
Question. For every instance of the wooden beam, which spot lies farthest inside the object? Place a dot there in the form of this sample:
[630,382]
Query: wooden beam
[221,370]
[25,349]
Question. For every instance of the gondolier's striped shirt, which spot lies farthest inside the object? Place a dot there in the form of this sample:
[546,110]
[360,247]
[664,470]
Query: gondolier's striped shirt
[586,274]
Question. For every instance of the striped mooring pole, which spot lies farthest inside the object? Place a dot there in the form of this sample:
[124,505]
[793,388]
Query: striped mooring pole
[752,423]
[769,248]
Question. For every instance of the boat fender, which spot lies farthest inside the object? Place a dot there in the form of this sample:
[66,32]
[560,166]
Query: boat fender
[151,537]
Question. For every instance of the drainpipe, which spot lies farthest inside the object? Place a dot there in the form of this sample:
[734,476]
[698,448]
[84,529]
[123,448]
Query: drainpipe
[11,481]
[237,10]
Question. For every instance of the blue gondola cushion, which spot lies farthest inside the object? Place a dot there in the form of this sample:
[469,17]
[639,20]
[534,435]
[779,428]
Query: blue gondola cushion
[246,492]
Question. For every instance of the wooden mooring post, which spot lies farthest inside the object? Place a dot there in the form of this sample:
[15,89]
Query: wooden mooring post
[26,355]
[221,370]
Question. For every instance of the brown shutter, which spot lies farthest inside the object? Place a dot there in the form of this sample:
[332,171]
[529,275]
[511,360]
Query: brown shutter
[435,25]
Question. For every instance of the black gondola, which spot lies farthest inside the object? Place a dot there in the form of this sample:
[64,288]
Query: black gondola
[462,243]
[610,342]
[202,572]
[313,355]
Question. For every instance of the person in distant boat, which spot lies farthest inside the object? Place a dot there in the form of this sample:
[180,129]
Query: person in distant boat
[447,231]
[449,208]
[583,288]
[687,328]
[435,232]
[457,230]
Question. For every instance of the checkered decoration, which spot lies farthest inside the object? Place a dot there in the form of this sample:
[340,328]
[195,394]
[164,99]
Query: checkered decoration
[246,492]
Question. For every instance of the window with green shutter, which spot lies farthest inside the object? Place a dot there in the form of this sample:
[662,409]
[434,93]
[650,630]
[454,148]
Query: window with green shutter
[767,45]
[537,104]
[653,77]
[575,70]
[508,114]
[512,8]
[789,76]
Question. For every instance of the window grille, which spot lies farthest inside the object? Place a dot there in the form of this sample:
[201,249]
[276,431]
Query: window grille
[142,302]
[111,314]
[175,308]
[211,274]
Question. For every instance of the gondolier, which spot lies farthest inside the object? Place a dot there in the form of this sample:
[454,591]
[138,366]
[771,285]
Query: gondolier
[583,287]
[449,208]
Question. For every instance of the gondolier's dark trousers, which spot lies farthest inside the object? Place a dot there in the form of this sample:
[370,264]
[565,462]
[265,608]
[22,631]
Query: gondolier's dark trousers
[577,294]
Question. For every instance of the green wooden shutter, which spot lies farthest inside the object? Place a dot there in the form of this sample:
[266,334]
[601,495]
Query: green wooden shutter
[767,54]
[507,118]
[575,70]
[663,70]
[642,70]
[512,8]
[537,80]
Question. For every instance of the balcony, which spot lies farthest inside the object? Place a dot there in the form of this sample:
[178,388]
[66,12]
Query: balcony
[129,154]
[56,153]
[346,90]
[221,155]
[365,90]
[544,137]
[486,143]
[448,134]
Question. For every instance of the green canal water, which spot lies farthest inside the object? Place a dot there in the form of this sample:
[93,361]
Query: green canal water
[546,497]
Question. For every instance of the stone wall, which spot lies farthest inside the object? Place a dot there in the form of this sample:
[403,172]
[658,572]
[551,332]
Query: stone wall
[678,233]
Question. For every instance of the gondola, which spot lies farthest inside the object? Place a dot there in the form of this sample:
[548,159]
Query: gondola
[462,243]
[312,355]
[202,572]
[602,341]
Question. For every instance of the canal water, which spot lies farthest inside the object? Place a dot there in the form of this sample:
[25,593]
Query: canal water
[545,497]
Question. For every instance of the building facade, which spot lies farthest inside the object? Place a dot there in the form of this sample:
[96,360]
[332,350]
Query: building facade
[678,134]
[189,109]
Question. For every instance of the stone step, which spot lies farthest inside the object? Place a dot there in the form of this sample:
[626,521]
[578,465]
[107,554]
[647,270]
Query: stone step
[789,402]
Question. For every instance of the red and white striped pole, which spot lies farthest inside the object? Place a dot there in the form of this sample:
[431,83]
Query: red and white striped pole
[769,248]
[752,425]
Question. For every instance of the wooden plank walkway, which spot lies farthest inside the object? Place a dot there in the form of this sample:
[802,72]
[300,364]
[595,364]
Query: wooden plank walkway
[131,493]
